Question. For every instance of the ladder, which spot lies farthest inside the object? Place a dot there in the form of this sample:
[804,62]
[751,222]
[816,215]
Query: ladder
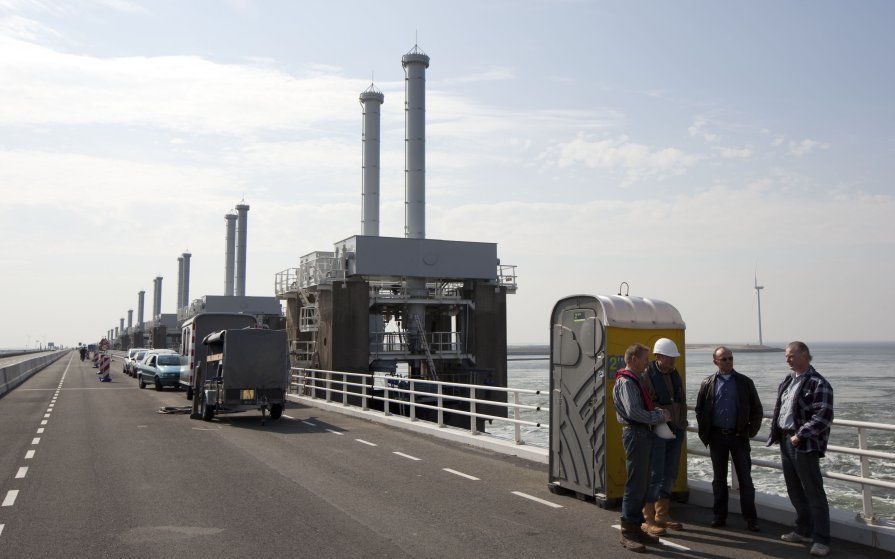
[424,344]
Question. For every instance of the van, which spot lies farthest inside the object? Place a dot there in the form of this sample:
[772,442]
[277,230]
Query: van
[194,331]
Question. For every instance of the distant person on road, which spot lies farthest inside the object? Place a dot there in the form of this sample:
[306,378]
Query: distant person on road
[83,352]
[803,415]
[635,412]
[728,412]
[665,387]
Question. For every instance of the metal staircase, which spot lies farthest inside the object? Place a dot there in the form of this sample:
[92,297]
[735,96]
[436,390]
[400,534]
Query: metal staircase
[424,345]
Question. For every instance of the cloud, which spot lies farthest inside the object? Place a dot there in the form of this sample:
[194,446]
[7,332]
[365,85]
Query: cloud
[497,73]
[27,29]
[733,153]
[632,160]
[806,146]
[697,129]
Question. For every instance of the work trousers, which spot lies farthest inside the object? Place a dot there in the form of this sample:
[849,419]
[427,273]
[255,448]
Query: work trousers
[666,457]
[638,444]
[737,448]
[805,486]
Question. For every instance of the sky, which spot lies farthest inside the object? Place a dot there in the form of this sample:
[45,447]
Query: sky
[681,147]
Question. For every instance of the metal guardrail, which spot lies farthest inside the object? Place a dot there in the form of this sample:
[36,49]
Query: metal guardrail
[316,379]
[312,380]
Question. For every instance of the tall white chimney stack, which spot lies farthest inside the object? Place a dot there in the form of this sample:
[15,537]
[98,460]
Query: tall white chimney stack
[415,63]
[242,223]
[185,295]
[371,99]
[230,254]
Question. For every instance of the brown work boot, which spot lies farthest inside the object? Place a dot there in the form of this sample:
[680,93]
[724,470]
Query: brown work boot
[649,525]
[663,515]
[629,537]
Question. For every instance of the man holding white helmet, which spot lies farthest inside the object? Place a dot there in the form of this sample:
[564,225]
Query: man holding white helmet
[665,387]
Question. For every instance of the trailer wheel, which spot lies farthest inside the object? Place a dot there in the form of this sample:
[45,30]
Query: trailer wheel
[205,410]
[276,410]
[189,392]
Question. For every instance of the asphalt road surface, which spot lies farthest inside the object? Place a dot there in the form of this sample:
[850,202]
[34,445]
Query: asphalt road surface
[90,469]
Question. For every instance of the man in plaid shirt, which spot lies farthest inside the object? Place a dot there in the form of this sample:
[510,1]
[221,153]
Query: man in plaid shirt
[803,415]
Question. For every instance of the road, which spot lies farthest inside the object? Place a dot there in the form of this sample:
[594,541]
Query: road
[91,469]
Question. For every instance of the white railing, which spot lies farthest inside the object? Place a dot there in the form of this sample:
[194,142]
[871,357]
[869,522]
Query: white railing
[286,281]
[398,290]
[866,481]
[400,342]
[320,270]
[303,350]
[404,391]
[506,276]
[307,318]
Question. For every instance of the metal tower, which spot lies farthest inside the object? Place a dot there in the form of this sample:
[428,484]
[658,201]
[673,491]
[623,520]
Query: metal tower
[758,289]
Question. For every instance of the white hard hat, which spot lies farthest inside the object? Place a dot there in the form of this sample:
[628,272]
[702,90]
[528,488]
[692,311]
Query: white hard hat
[663,432]
[664,346]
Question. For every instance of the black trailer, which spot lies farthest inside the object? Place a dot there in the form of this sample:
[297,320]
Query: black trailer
[244,369]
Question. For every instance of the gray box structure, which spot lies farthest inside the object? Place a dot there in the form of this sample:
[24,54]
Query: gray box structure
[421,258]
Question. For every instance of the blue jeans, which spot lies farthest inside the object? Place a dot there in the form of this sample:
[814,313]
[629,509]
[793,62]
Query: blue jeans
[805,486]
[638,444]
[665,461]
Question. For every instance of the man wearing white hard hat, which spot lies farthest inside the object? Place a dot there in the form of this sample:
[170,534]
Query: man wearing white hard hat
[665,387]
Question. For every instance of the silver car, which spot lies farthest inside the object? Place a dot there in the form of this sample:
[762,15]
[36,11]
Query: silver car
[161,368]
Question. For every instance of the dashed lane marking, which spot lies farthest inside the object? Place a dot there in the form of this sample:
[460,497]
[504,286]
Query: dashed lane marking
[44,422]
[29,455]
[461,474]
[409,457]
[40,430]
[368,443]
[10,498]
[536,499]
[288,416]
[1,528]
[309,423]
[335,432]
[23,471]
[36,440]
[46,416]
[662,541]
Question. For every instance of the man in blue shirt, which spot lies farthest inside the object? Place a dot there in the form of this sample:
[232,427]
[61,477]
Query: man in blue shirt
[729,413]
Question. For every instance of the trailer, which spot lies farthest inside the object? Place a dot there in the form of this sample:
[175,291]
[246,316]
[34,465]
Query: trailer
[244,369]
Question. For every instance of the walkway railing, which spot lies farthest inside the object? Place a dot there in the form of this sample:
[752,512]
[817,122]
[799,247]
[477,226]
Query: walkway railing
[432,395]
[415,393]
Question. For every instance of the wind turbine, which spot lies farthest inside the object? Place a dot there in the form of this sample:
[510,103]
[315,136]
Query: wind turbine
[758,289]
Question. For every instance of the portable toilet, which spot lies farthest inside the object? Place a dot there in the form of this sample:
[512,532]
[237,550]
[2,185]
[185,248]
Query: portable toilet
[588,338]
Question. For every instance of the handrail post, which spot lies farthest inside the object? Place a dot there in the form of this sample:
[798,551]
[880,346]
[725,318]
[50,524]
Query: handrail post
[363,400]
[412,401]
[344,389]
[314,384]
[329,385]
[387,407]
[440,407]
[866,491]
[517,429]
[472,417]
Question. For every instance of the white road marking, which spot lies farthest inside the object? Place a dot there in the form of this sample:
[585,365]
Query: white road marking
[309,423]
[368,443]
[288,416]
[461,474]
[50,409]
[44,422]
[536,499]
[29,455]
[1,528]
[46,416]
[40,430]
[663,541]
[23,471]
[335,432]
[409,457]
[36,440]
[10,498]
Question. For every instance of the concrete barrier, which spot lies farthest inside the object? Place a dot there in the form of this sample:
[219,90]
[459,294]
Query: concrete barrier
[13,375]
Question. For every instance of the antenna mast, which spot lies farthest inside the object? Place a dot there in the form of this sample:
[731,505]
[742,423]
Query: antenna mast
[758,289]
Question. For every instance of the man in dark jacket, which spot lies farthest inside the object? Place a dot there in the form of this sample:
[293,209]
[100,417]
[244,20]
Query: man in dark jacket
[729,413]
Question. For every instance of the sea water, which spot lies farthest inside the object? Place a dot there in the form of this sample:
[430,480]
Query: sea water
[863,382]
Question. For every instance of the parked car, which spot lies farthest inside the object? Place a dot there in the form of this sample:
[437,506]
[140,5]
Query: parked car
[138,360]
[129,360]
[161,368]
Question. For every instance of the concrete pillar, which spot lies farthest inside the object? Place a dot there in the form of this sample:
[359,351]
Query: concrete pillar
[242,223]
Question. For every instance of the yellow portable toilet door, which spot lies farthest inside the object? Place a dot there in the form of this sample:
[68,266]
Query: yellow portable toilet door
[576,372]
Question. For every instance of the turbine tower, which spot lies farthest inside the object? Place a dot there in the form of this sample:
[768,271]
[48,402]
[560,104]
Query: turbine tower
[758,289]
